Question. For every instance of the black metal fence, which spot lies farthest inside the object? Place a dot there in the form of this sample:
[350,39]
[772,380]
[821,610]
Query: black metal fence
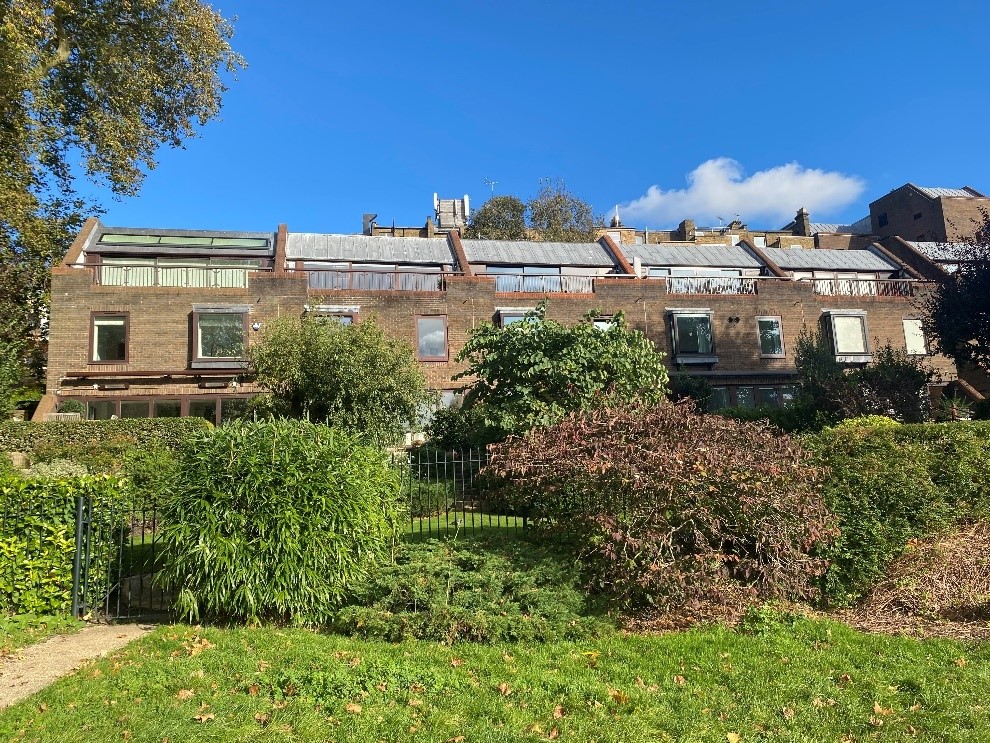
[118,553]
[446,493]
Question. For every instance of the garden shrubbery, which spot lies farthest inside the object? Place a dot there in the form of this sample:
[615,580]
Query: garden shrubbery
[100,446]
[671,508]
[275,519]
[482,589]
[891,483]
[37,540]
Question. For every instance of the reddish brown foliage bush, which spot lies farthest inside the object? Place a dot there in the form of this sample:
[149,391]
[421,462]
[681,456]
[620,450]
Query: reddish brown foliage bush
[671,508]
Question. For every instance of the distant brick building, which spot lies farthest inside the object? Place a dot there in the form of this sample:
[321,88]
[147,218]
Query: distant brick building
[149,322]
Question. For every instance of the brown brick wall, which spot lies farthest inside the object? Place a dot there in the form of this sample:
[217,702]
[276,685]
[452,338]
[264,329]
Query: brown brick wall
[160,320]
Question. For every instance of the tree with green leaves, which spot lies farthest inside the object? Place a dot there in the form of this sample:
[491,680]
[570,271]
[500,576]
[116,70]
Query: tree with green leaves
[499,218]
[95,85]
[958,309]
[557,215]
[353,377]
[893,384]
[535,371]
[554,215]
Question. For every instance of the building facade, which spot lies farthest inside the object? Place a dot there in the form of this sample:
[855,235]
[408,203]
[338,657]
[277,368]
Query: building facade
[148,322]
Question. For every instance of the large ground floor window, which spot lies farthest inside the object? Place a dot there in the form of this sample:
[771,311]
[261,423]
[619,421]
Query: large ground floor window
[751,396]
[214,408]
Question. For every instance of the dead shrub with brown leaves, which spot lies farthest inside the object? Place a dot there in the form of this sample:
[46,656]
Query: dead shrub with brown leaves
[669,508]
[943,578]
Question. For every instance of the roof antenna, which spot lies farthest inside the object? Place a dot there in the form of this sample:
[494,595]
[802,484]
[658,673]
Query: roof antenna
[491,184]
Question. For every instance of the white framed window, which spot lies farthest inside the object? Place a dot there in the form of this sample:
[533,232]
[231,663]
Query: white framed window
[508,315]
[605,322]
[770,337]
[914,337]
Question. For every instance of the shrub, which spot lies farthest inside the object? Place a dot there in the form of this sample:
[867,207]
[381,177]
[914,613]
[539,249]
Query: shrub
[867,421]
[37,541]
[355,377]
[890,484]
[483,589]
[150,470]
[536,371]
[274,520]
[72,406]
[98,445]
[56,469]
[461,428]
[670,508]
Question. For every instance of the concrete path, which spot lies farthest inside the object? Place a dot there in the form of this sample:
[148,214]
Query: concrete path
[33,668]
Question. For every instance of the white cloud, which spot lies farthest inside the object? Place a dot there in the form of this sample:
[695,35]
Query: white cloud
[717,188]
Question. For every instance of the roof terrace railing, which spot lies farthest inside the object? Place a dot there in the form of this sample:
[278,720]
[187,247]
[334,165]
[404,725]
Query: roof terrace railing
[864,287]
[541,284]
[711,285]
[156,274]
[335,279]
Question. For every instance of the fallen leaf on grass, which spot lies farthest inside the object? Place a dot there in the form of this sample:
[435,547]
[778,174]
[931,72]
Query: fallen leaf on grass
[875,721]
[960,662]
[456,662]
[504,689]
[205,717]
[732,737]
[788,713]
[618,696]
[252,690]
[845,679]
[261,717]
[456,739]
[680,680]
[558,712]
[879,710]
[415,703]
[354,709]
[185,693]
[914,707]
[553,734]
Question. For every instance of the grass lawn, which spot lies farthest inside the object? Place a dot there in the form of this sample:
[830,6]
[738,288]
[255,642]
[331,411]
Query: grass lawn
[801,681]
[461,523]
[26,629]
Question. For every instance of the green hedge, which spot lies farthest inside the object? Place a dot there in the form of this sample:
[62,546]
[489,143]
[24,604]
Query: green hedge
[99,445]
[37,541]
[890,484]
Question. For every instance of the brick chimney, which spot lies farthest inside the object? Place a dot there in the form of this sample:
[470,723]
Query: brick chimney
[802,223]
[686,230]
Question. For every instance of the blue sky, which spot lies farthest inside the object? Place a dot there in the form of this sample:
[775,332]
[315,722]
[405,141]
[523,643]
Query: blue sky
[348,108]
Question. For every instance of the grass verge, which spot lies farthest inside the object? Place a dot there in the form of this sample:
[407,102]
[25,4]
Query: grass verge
[21,630]
[802,680]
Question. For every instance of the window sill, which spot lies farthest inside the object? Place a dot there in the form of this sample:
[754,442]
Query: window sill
[862,358]
[696,359]
[218,364]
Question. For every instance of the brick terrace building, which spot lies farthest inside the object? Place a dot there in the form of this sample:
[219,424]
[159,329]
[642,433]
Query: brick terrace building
[149,322]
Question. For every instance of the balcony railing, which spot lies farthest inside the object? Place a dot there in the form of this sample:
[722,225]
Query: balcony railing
[864,287]
[711,285]
[509,283]
[144,274]
[329,279]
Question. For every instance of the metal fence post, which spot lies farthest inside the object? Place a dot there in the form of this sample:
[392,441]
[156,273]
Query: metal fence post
[77,560]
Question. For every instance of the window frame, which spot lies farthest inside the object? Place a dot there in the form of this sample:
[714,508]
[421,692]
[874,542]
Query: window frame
[446,338]
[681,357]
[218,362]
[517,313]
[850,358]
[92,336]
[780,331]
[924,337]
